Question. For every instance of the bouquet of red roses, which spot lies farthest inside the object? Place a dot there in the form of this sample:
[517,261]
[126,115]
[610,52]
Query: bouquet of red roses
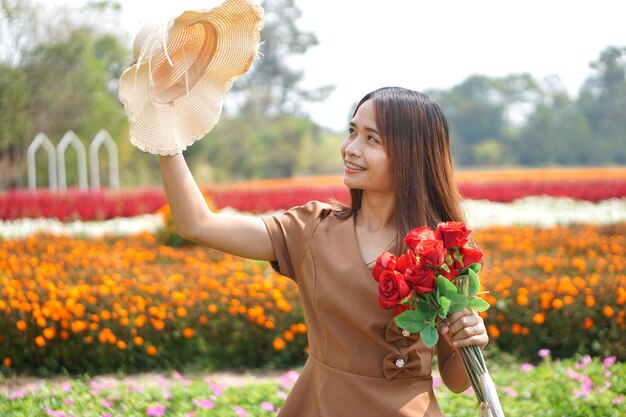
[438,276]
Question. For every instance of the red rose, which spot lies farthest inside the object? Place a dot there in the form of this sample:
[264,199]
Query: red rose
[385,261]
[454,272]
[400,308]
[404,261]
[421,279]
[415,236]
[453,234]
[431,252]
[392,289]
[470,256]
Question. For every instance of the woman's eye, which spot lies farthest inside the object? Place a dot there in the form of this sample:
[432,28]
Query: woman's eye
[372,139]
[351,131]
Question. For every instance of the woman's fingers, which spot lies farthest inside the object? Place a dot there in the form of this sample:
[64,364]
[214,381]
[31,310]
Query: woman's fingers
[465,328]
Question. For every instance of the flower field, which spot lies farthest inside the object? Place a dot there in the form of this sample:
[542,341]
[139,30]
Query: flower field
[129,296]
[593,185]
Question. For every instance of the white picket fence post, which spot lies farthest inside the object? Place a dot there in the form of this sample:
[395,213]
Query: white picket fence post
[41,140]
[56,161]
[103,137]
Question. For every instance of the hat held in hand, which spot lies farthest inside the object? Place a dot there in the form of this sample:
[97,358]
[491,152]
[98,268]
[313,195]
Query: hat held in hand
[174,90]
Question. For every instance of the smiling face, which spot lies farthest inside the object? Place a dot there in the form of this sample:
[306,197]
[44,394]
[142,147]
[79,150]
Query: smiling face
[367,165]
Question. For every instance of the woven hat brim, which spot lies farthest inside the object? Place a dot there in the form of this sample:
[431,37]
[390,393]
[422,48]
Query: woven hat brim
[168,129]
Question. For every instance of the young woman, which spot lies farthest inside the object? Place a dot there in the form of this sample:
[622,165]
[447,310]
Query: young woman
[398,168]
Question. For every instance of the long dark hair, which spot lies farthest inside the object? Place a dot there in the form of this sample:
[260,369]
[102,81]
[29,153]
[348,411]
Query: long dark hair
[415,132]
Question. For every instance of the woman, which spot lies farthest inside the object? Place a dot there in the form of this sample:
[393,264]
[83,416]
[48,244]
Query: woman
[399,171]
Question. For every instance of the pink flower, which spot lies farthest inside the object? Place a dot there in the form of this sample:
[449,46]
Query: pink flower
[509,391]
[69,401]
[618,400]
[17,394]
[525,367]
[106,404]
[66,386]
[216,389]
[204,403]
[287,380]
[267,406]
[586,360]
[106,415]
[240,411]
[544,353]
[181,378]
[607,362]
[281,394]
[436,382]
[157,411]
[54,413]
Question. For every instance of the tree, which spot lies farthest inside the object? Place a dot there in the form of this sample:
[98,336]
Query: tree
[484,113]
[271,87]
[603,100]
[54,80]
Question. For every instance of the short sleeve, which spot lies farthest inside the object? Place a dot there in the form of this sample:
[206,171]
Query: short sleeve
[291,234]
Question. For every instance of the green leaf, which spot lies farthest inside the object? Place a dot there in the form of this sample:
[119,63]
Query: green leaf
[412,321]
[445,287]
[444,302]
[478,304]
[474,267]
[474,282]
[429,336]
[458,303]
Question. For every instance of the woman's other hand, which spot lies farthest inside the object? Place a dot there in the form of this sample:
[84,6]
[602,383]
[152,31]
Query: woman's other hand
[465,328]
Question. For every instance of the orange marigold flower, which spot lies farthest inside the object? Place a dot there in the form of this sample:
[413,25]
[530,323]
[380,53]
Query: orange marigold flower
[49,333]
[40,341]
[151,350]
[121,345]
[590,301]
[157,324]
[138,340]
[522,299]
[557,304]
[181,312]
[7,362]
[539,318]
[279,344]
[587,323]
[288,335]
[269,325]
[608,311]
[188,332]
[21,325]
[493,331]
[212,308]
[516,328]
[301,328]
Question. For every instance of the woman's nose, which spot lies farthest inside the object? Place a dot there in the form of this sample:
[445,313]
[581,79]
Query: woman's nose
[352,148]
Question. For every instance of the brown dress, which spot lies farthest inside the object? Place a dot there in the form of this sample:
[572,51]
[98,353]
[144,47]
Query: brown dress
[360,364]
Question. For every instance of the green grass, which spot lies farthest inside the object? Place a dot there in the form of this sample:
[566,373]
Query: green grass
[571,387]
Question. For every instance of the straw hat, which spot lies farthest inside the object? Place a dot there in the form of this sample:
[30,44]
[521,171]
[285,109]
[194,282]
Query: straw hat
[174,90]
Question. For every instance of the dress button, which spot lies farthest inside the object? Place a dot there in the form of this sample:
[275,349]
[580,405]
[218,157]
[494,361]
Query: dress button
[405,333]
[400,363]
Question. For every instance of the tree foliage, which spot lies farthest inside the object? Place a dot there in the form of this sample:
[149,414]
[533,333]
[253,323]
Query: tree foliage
[60,77]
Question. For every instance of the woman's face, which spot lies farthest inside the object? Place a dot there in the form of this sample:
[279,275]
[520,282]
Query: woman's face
[366,164]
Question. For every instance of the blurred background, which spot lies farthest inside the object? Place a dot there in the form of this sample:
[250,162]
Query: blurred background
[541,85]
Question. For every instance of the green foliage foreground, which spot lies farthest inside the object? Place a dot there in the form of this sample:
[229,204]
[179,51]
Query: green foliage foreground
[573,387]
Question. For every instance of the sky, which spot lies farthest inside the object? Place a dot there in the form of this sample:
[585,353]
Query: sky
[418,44]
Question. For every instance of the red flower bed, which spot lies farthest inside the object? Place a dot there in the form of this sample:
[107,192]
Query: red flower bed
[506,192]
[266,196]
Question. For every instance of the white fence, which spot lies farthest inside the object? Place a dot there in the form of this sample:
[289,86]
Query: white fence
[56,160]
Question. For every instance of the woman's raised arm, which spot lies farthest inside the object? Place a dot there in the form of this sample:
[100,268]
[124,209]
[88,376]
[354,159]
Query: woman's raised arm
[240,235]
